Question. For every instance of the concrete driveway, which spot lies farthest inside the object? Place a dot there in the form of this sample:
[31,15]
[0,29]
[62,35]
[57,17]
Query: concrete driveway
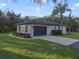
[59,40]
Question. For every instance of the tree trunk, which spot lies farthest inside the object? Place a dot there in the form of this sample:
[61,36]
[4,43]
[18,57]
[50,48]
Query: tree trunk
[69,30]
[2,29]
[61,17]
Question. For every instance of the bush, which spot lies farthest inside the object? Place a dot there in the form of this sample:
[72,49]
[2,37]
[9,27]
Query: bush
[56,32]
[25,35]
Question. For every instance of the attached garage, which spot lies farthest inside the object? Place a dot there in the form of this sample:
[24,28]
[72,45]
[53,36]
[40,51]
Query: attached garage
[38,27]
[40,30]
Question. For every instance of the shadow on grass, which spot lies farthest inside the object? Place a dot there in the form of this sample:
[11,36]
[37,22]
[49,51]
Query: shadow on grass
[40,47]
[10,55]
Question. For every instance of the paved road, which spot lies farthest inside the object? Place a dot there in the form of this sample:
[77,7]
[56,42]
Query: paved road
[59,40]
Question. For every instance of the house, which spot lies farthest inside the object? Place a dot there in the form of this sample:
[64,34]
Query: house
[37,27]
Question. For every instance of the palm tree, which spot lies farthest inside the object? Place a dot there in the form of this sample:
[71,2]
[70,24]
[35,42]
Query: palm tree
[60,6]
[70,19]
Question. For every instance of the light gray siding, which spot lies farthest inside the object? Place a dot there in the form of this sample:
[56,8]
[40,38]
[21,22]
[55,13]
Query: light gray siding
[64,30]
[21,28]
[17,28]
[49,29]
[30,29]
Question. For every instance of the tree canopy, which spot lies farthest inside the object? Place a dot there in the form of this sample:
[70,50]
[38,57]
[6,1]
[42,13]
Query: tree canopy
[8,21]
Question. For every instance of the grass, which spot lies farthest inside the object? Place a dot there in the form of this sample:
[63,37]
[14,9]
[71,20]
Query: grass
[12,48]
[74,35]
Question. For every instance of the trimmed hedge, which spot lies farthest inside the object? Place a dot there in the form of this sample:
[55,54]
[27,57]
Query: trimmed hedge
[24,35]
[56,32]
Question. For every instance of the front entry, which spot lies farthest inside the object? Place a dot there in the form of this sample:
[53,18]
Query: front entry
[40,30]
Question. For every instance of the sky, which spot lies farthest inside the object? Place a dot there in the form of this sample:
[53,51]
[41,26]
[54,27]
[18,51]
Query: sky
[28,8]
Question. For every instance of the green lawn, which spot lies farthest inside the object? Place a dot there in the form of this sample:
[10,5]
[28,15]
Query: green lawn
[74,35]
[12,48]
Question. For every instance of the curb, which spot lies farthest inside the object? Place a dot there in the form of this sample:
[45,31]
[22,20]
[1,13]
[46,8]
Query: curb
[20,37]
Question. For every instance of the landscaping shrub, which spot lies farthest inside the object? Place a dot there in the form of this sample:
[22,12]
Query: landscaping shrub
[25,35]
[56,32]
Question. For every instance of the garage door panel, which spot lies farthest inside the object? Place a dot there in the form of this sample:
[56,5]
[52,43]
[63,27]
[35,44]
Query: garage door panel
[40,30]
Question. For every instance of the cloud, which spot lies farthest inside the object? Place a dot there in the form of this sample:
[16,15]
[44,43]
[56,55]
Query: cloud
[32,7]
[37,9]
[76,5]
[73,8]
[44,1]
[3,4]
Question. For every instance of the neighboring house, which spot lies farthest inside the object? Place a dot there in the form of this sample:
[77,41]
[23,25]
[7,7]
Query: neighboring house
[37,27]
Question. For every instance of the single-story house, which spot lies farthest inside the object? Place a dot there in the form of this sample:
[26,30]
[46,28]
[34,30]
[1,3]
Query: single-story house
[37,27]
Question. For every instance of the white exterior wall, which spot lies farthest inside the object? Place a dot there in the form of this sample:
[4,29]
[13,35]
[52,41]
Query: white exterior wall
[17,28]
[56,28]
[22,28]
[30,29]
[49,29]
[63,28]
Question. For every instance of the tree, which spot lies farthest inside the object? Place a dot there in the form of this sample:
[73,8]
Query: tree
[8,21]
[2,21]
[70,20]
[13,19]
[27,18]
[59,8]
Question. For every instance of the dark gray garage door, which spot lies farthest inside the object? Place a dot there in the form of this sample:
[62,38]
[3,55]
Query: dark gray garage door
[40,30]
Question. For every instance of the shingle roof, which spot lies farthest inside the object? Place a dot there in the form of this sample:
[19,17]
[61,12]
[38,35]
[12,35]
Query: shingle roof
[40,22]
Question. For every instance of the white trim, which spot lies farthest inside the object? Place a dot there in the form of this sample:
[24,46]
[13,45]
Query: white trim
[30,28]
